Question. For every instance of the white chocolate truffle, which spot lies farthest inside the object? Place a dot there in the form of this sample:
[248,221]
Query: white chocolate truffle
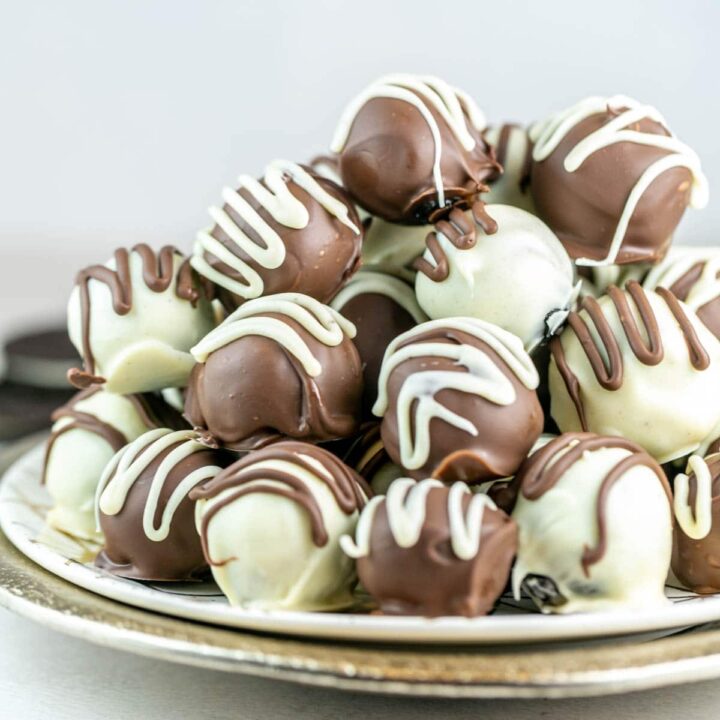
[692,274]
[513,151]
[86,434]
[518,276]
[392,248]
[135,318]
[638,364]
[271,523]
[595,526]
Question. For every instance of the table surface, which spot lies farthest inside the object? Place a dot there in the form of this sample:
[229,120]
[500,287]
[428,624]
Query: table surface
[44,674]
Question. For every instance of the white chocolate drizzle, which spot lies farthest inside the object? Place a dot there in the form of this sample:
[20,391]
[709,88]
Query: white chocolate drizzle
[406,508]
[131,461]
[483,379]
[696,522]
[367,282]
[548,134]
[422,92]
[282,206]
[678,263]
[322,322]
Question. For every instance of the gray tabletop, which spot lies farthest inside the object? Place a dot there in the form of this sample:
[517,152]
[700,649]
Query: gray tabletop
[46,675]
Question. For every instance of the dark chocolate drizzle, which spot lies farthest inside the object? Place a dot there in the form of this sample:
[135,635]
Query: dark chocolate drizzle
[460,231]
[543,470]
[609,373]
[349,490]
[157,275]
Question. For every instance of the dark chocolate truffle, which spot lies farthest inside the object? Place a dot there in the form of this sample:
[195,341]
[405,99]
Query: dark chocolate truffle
[381,307]
[612,181]
[292,231]
[458,401]
[144,510]
[426,549]
[696,542]
[282,365]
[411,146]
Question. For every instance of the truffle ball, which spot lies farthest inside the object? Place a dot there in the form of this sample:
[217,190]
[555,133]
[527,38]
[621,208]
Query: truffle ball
[381,307]
[612,181]
[595,526]
[86,433]
[638,364]
[458,401]
[410,146]
[693,276]
[514,273]
[696,545]
[135,318]
[281,365]
[426,549]
[393,248]
[292,231]
[513,150]
[270,526]
[144,510]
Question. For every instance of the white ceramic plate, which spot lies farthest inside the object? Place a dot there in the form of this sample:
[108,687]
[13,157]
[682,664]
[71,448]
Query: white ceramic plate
[24,502]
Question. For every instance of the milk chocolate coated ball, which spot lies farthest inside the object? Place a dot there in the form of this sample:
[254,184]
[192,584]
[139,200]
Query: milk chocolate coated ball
[411,146]
[611,180]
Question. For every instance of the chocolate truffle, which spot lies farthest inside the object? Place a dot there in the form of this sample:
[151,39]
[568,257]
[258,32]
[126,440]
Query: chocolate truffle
[637,363]
[393,248]
[693,276]
[281,365]
[696,542]
[595,526]
[367,456]
[135,318]
[509,270]
[458,401]
[411,146]
[381,307]
[86,433]
[426,549]
[513,151]
[293,231]
[612,181]
[270,526]
[144,511]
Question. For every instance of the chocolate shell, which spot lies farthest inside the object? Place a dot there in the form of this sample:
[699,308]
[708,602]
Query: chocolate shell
[282,365]
[144,510]
[411,146]
[426,549]
[292,231]
[611,180]
[458,402]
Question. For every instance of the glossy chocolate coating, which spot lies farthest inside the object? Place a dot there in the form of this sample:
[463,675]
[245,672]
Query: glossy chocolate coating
[505,432]
[387,162]
[583,207]
[320,257]
[696,563]
[251,392]
[428,578]
[129,553]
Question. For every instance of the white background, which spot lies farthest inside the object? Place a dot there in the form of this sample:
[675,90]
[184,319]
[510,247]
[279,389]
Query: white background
[121,122]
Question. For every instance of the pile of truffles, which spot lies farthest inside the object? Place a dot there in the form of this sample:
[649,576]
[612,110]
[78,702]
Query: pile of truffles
[442,359]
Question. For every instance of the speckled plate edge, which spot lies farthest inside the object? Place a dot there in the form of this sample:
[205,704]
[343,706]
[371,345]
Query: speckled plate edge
[22,502]
[454,672]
